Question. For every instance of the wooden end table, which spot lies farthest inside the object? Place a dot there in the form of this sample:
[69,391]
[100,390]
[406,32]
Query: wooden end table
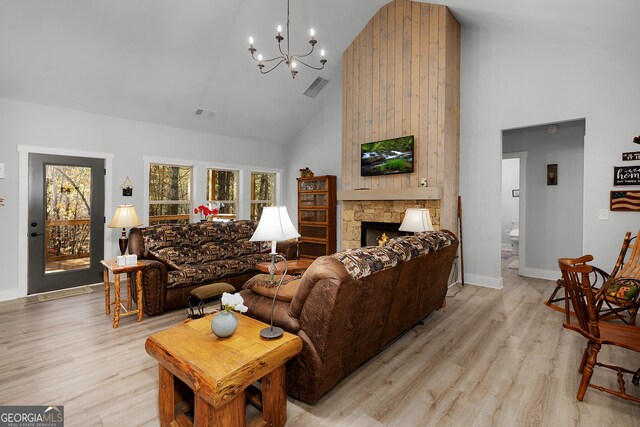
[297,266]
[218,372]
[112,265]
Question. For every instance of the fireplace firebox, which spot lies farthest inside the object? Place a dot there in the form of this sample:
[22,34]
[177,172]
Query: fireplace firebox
[371,233]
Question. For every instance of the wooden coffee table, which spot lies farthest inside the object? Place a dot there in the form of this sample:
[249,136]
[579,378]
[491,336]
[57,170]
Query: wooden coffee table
[297,266]
[218,371]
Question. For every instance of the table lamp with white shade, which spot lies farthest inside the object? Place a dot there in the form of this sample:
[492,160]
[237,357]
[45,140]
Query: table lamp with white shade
[274,226]
[416,220]
[124,217]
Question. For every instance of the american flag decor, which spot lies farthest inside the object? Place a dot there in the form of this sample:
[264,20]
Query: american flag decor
[625,201]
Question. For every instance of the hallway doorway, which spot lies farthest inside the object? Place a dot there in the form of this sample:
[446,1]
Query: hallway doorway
[550,194]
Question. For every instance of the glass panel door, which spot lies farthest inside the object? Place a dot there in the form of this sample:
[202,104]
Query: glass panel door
[65,222]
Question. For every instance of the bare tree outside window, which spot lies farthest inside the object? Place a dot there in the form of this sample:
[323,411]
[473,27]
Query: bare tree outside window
[169,194]
[222,190]
[67,217]
[263,192]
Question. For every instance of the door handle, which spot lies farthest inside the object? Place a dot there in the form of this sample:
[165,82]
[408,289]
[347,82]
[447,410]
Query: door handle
[34,234]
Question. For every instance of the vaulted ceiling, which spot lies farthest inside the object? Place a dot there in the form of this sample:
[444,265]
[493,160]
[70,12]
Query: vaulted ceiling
[159,60]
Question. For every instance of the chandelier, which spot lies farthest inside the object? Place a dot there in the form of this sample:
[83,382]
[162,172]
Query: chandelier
[286,56]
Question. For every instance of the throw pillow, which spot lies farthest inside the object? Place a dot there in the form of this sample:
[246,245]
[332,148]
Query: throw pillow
[261,284]
[172,266]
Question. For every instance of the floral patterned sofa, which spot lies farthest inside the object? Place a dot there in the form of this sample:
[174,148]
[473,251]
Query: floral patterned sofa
[181,257]
[349,306]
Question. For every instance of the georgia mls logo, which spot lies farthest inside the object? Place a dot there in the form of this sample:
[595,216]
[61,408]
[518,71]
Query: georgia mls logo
[31,416]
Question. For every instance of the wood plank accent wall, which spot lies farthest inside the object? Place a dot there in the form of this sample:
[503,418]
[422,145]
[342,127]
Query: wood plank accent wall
[401,76]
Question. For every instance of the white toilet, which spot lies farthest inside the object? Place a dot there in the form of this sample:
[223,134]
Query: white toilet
[514,236]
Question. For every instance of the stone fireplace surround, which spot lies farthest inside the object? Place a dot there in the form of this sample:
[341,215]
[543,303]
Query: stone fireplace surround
[354,212]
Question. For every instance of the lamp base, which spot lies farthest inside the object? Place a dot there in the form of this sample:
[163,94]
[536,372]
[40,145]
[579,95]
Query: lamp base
[271,333]
[123,242]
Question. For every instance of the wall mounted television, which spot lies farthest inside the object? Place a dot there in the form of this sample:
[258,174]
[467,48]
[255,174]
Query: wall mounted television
[387,157]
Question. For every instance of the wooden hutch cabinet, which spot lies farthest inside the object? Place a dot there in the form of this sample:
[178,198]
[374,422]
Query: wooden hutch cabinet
[317,216]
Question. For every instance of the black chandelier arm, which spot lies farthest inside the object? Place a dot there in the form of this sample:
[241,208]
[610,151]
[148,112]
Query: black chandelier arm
[310,66]
[280,48]
[304,56]
[268,60]
[272,68]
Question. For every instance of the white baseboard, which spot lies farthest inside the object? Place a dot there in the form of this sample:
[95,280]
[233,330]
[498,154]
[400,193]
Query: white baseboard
[486,282]
[537,273]
[10,294]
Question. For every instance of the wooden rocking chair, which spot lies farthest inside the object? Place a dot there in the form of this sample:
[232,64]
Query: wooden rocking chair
[576,273]
[611,299]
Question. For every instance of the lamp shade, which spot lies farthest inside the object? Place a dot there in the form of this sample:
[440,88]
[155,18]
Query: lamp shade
[124,217]
[275,225]
[416,220]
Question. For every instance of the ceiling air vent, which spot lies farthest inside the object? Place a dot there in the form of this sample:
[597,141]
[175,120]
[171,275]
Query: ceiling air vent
[205,114]
[315,88]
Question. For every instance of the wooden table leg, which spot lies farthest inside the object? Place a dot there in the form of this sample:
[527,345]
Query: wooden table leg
[139,293]
[274,398]
[166,397]
[107,297]
[129,293]
[231,414]
[116,309]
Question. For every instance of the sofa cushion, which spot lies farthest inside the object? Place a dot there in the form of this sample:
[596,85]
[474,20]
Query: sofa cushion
[261,284]
[192,274]
[171,265]
[165,236]
[623,289]
[214,251]
[176,256]
[204,232]
[362,262]
[409,247]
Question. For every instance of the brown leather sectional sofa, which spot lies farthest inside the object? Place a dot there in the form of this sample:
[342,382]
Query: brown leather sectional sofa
[351,305]
[181,257]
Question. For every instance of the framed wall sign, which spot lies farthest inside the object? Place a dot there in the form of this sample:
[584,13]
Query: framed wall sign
[626,175]
[625,201]
[635,155]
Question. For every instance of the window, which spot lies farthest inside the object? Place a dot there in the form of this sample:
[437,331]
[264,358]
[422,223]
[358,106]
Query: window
[263,192]
[169,194]
[222,190]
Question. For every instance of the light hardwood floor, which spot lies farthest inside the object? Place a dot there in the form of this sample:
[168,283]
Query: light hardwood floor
[490,358]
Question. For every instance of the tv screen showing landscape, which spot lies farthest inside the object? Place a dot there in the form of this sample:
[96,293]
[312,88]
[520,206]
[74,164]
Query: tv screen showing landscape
[387,157]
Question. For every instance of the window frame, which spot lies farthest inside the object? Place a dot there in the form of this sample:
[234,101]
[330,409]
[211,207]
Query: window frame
[277,188]
[237,202]
[151,161]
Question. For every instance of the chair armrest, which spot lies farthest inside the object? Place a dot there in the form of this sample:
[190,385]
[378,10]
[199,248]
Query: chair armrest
[154,286]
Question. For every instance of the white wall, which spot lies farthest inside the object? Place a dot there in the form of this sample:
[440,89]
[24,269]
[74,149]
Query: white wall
[518,78]
[43,126]
[318,146]
[553,225]
[510,208]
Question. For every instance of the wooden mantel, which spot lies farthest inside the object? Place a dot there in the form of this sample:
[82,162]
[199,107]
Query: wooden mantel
[420,193]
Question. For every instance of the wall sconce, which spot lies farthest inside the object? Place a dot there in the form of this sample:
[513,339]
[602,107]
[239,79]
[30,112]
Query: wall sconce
[127,188]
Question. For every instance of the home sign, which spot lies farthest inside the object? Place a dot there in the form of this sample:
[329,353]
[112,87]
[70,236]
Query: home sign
[626,175]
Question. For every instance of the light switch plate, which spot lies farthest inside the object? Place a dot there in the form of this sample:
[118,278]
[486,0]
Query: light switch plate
[603,214]
[1,170]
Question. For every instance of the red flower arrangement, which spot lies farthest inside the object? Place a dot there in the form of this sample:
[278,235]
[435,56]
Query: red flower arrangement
[205,212]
